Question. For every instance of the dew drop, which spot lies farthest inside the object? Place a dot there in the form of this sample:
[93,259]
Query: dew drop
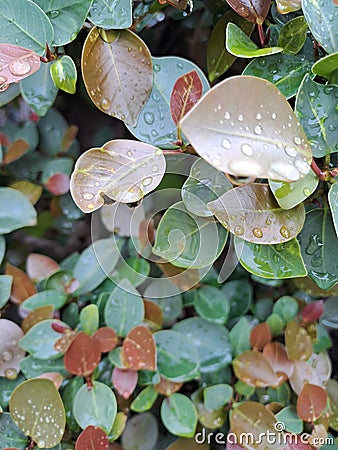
[241,117]
[7,355]
[155,168]
[274,116]
[297,140]
[258,116]
[54,14]
[257,232]
[247,149]
[268,221]
[149,118]
[226,144]
[105,104]
[88,196]
[258,129]
[284,232]
[129,153]
[302,166]
[147,181]
[291,151]
[11,374]
[239,230]
[3,83]
[306,191]
[227,115]
[19,67]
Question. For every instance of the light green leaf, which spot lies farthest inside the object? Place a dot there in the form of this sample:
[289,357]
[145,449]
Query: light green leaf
[179,415]
[271,261]
[96,406]
[33,367]
[108,14]
[145,399]
[167,296]
[289,417]
[217,396]
[239,44]
[47,297]
[23,23]
[5,289]
[2,248]
[39,91]
[240,336]
[316,107]
[89,319]
[212,304]
[10,435]
[16,211]
[280,394]
[333,202]
[327,67]
[136,270]
[64,74]
[292,35]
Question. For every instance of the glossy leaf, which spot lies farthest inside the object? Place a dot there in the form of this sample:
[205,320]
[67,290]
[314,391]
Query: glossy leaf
[64,75]
[10,434]
[155,124]
[37,315]
[288,416]
[145,399]
[279,261]
[40,266]
[239,44]
[141,432]
[217,396]
[219,60]
[316,109]
[179,415]
[318,240]
[16,211]
[83,355]
[327,67]
[275,352]
[107,339]
[118,426]
[244,136]
[124,381]
[253,11]
[33,34]
[333,202]
[5,289]
[22,286]
[123,170]
[136,270]
[89,319]
[311,402]
[33,367]
[240,336]
[287,6]
[292,35]
[287,307]
[260,336]
[31,190]
[282,70]
[240,293]
[96,406]
[11,353]
[111,14]
[43,298]
[138,349]
[37,409]
[123,95]
[312,311]
[212,304]
[92,437]
[122,219]
[2,248]
[186,92]
[297,341]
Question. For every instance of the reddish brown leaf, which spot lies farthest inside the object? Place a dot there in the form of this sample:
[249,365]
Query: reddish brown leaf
[92,438]
[124,381]
[4,141]
[58,184]
[139,350]
[16,63]
[22,286]
[69,137]
[37,315]
[312,311]
[106,338]
[254,11]
[167,387]
[275,352]
[260,336]
[15,151]
[153,313]
[40,267]
[83,355]
[62,344]
[297,341]
[311,402]
[186,93]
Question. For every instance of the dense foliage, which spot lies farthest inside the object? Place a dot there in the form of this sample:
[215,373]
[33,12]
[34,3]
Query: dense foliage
[206,299]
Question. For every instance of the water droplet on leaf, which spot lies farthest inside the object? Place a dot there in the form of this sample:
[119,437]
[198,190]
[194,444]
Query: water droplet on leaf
[257,232]
[247,149]
[284,232]
[226,144]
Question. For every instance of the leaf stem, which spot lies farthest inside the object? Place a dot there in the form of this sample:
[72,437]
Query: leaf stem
[322,176]
[261,35]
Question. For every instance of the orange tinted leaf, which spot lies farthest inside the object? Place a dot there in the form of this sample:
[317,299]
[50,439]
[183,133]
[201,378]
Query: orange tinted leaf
[15,151]
[58,184]
[146,233]
[298,342]
[275,352]
[37,315]
[186,93]
[62,344]
[22,286]
[56,377]
[184,279]
[69,137]
[311,402]
[40,267]
[83,355]
[17,63]
[31,190]
[167,387]
[139,350]
[124,381]
[92,438]
[106,338]
[260,336]
[153,313]
[312,311]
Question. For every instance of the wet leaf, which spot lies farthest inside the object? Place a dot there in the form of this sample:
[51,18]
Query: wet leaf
[16,211]
[240,336]
[297,341]
[43,298]
[123,95]
[92,437]
[153,314]
[22,286]
[139,350]
[141,432]
[33,367]
[279,261]
[122,219]
[10,434]
[186,92]
[107,339]
[292,35]
[83,355]
[219,60]
[64,75]
[111,14]
[37,315]
[311,402]
[254,11]
[37,409]
[145,399]
[240,294]
[11,353]
[179,415]
[239,44]
[5,289]
[9,94]
[246,137]
[89,319]
[135,269]
[312,311]
[96,406]
[123,170]
[303,373]
[40,267]
[15,151]
[166,295]
[182,278]
[118,426]
[167,387]
[287,6]
[333,202]
[275,352]
[287,307]
[260,336]
[17,63]
[124,381]
[288,416]
[31,190]
[327,67]
[212,304]
[208,419]
[217,396]
[55,377]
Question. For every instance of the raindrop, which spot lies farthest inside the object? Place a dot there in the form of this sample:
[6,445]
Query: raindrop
[274,116]
[247,149]
[11,374]
[258,116]
[180,66]
[105,103]
[245,168]
[7,355]
[258,129]
[54,14]
[227,115]
[297,140]
[149,118]
[130,153]
[284,170]
[332,127]
[291,151]
[284,232]
[302,166]
[219,107]
[258,233]
[316,261]
[241,117]
[19,67]
[154,133]
[239,230]
[88,196]
[268,222]
[147,181]
[155,168]
[306,191]
[226,144]
[3,83]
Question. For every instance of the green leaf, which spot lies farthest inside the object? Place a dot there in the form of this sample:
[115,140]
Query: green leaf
[52,128]
[10,435]
[243,388]
[212,304]
[124,309]
[239,44]
[318,242]
[9,94]
[33,367]
[155,124]
[286,307]
[16,211]
[141,432]
[322,20]
[271,261]
[37,409]
[186,240]
[284,71]
[209,339]
[217,396]
[89,319]
[292,35]
[39,90]
[95,264]
[239,292]
[68,394]
[5,289]
[323,340]
[251,212]
[205,184]
[316,107]
[40,340]
[144,400]
[2,248]
[64,74]
[136,270]
[219,60]
[281,394]
[111,14]
[333,202]
[245,127]
[67,18]
[289,417]
[327,67]
[179,415]
[16,29]
[96,406]
[240,336]
[162,292]
[47,297]
[177,357]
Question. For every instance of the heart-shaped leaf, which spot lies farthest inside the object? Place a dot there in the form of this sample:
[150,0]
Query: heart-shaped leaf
[297,341]
[252,10]
[11,353]
[16,211]
[92,437]
[83,355]
[179,415]
[64,75]
[123,170]
[124,381]
[111,14]
[125,55]
[17,63]
[37,409]
[107,339]
[186,93]
[254,133]
[139,350]
[275,352]
[311,402]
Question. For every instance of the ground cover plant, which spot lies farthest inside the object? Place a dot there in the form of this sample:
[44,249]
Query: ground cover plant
[168,224]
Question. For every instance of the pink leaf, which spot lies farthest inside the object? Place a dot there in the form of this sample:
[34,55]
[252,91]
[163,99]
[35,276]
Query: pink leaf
[186,93]
[58,184]
[124,381]
[312,311]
